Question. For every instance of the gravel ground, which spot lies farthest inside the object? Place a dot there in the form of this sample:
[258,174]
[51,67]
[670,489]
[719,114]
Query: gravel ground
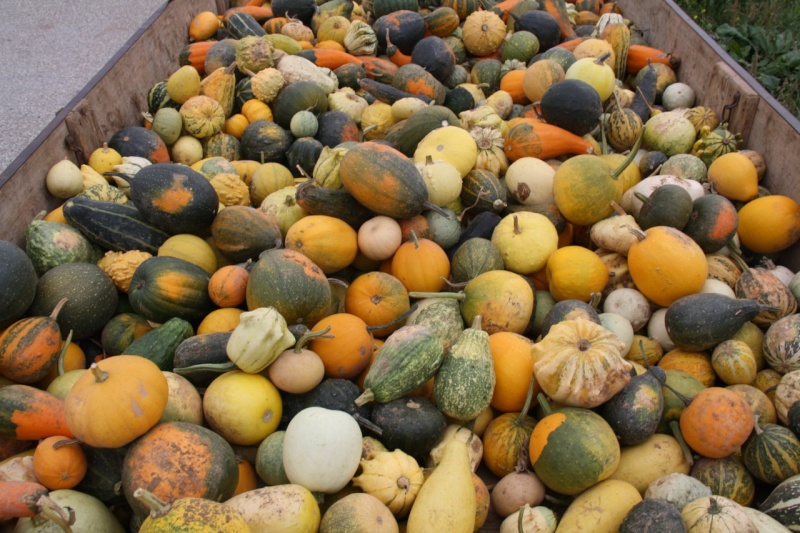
[49,51]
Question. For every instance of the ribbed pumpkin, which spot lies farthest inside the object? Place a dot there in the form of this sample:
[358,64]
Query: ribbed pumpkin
[291,283]
[782,344]
[394,477]
[116,401]
[483,32]
[377,298]
[726,477]
[580,363]
[761,285]
[716,513]
[167,287]
[202,116]
[772,453]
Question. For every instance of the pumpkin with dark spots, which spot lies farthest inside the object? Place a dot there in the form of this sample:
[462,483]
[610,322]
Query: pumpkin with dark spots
[179,460]
[174,198]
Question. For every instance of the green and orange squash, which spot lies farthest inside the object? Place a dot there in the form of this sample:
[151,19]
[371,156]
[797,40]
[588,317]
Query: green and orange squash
[28,413]
[164,287]
[242,232]
[29,348]
[138,141]
[174,198]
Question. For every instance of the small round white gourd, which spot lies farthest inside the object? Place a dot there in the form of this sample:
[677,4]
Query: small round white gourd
[619,326]
[677,95]
[657,329]
[718,287]
[64,179]
[629,303]
[322,449]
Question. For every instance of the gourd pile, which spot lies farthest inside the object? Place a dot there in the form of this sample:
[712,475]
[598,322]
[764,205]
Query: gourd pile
[440,265]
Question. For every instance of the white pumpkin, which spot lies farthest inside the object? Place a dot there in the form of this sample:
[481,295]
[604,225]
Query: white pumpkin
[322,449]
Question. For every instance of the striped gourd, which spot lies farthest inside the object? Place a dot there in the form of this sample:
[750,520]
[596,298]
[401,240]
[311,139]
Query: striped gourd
[713,143]
[726,477]
[619,36]
[243,25]
[783,503]
[782,344]
[113,226]
[772,453]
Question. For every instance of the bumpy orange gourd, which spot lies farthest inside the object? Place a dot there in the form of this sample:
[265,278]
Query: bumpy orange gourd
[717,422]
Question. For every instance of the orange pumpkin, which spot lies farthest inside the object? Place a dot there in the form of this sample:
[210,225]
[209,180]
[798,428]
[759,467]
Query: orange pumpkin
[227,287]
[350,346]
[697,364]
[59,463]
[513,368]
[512,83]
[529,138]
[717,422]
[421,265]
[377,298]
[120,399]
[328,241]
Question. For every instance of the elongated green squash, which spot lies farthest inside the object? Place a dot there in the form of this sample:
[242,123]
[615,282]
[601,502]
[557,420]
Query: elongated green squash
[465,381]
[700,321]
[159,344]
[408,358]
[113,226]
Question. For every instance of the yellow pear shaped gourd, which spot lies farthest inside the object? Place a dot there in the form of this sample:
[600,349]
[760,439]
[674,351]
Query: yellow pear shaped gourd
[446,501]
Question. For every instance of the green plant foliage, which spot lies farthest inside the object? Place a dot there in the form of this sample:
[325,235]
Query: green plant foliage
[762,36]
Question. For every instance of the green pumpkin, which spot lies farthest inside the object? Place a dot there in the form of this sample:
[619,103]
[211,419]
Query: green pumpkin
[772,453]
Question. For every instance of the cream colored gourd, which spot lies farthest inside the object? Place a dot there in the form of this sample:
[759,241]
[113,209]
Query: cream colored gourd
[530,181]
[64,179]
[295,68]
[464,434]
[613,233]
[286,508]
[442,180]
[715,514]
[393,477]
[322,449]
[446,501]
[90,514]
[538,519]
[580,363]
[258,339]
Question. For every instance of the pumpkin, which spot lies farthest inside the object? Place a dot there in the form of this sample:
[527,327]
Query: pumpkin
[280,273]
[377,298]
[242,232]
[227,287]
[329,242]
[727,477]
[716,513]
[19,283]
[118,400]
[449,143]
[769,224]
[772,453]
[379,237]
[717,422]
[580,363]
[575,272]
[525,240]
[483,32]
[421,265]
[666,264]
[346,349]
[761,285]
[184,512]
[572,449]
[59,463]
[355,511]
[242,408]
[179,460]
[322,449]
[393,477]
[780,344]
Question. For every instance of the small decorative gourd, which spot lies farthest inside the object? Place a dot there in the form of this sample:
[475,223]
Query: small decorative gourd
[258,339]
[360,39]
[189,514]
[712,143]
[580,363]
[491,156]
[393,477]
[465,381]
[483,32]
[266,84]
[30,347]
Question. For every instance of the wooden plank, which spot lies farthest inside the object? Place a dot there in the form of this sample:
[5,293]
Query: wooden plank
[113,99]
[765,124]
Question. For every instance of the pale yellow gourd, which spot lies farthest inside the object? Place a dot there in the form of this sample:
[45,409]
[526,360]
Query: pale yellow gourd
[446,501]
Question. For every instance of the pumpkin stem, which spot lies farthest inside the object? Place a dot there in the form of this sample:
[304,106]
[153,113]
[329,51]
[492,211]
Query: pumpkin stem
[403,482]
[624,165]
[676,432]
[220,368]
[63,353]
[310,335]
[397,320]
[740,262]
[368,424]
[63,517]
[756,426]
[520,420]
[603,139]
[340,282]
[545,405]
[517,229]
[413,238]
[454,285]
[594,299]
[420,294]
[65,442]
[158,508]
[435,208]
[602,58]
[618,208]
[366,397]
[476,322]
[520,517]
[639,234]
[100,375]
[57,309]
